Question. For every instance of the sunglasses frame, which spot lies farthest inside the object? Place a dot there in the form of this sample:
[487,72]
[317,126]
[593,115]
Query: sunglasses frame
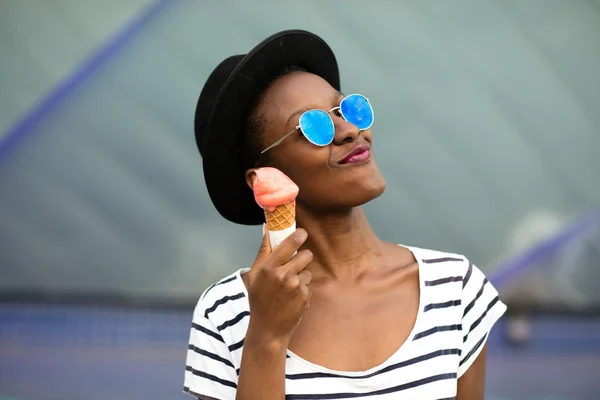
[299,126]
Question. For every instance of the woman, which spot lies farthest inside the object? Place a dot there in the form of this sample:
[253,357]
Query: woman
[333,312]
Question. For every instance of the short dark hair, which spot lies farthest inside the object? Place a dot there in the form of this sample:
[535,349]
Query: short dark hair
[251,141]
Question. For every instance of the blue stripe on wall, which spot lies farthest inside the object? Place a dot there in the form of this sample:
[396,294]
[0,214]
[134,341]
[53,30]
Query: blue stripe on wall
[24,126]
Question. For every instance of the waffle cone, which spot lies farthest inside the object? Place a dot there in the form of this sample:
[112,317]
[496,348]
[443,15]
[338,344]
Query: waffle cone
[282,217]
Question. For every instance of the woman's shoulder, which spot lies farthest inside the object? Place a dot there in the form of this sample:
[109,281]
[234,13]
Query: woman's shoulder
[439,258]
[437,267]
[223,298]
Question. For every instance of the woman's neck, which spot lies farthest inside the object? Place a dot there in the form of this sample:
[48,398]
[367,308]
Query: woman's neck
[343,245]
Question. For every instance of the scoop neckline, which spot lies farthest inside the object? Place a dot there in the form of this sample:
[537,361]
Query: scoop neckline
[391,358]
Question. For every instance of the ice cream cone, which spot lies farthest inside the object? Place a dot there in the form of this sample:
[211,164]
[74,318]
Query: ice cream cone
[280,223]
[282,217]
[273,190]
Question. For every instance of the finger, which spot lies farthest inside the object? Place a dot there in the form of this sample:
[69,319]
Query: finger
[305,277]
[298,263]
[307,294]
[264,250]
[287,248]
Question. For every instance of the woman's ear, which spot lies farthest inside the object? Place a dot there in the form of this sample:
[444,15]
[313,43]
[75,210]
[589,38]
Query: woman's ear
[250,176]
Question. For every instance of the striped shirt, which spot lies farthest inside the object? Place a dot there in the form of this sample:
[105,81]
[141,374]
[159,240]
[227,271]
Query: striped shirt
[457,309]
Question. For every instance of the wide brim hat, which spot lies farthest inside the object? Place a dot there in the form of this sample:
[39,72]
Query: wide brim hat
[225,101]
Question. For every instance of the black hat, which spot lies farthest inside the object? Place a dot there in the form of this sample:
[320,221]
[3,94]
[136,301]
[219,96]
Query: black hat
[225,101]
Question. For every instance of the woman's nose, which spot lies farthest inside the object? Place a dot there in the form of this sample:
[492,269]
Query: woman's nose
[345,132]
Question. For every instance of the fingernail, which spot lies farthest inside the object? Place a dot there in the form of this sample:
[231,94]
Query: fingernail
[264,229]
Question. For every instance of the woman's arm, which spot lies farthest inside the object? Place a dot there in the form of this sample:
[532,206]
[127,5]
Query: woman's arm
[471,385]
[262,372]
[278,295]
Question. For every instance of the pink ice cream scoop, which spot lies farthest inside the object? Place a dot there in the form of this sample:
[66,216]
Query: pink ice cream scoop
[272,188]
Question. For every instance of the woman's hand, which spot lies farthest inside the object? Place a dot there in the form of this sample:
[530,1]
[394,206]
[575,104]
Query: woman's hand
[278,288]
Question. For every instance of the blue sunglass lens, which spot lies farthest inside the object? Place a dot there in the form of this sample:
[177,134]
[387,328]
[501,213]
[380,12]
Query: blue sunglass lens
[357,110]
[317,127]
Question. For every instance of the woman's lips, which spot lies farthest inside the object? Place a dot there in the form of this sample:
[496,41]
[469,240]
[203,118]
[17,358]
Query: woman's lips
[360,153]
[357,158]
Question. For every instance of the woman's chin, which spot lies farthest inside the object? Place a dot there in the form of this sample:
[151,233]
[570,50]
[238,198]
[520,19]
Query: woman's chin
[365,192]
[374,191]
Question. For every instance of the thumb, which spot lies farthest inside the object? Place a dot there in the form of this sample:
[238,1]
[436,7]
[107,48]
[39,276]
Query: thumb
[265,247]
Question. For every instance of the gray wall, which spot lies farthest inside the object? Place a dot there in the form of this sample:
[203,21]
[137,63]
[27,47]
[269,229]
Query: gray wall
[42,40]
[487,132]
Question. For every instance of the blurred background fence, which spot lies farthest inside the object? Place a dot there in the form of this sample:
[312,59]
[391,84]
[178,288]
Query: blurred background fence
[488,134]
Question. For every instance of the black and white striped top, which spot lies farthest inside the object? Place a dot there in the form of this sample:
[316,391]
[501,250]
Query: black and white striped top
[457,310]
